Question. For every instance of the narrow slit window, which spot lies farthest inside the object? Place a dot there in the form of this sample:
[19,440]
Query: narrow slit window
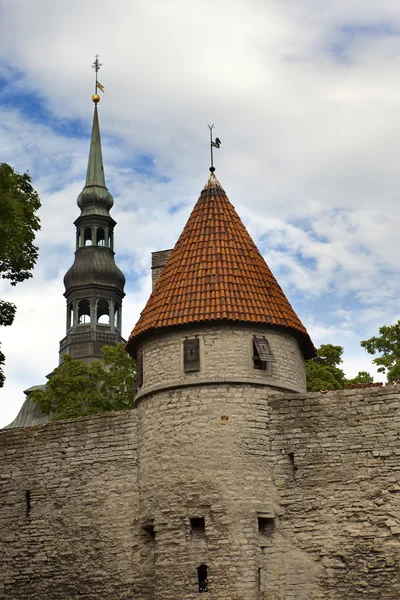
[191,355]
[292,464]
[139,369]
[202,578]
[27,503]
[262,353]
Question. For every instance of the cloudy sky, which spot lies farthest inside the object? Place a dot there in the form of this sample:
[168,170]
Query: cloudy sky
[305,96]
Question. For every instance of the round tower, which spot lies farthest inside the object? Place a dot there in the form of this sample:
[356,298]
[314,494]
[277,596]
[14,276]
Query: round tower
[94,285]
[217,337]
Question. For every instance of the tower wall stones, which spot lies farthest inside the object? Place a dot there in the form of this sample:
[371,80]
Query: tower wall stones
[298,492]
[226,355]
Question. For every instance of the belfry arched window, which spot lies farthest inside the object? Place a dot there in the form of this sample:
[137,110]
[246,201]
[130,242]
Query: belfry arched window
[70,315]
[83,312]
[103,312]
[87,236]
[110,239]
[100,237]
[116,316]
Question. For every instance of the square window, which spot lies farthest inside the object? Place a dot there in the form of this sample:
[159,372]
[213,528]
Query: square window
[191,355]
[262,353]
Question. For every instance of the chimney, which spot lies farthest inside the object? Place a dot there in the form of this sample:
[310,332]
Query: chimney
[158,261]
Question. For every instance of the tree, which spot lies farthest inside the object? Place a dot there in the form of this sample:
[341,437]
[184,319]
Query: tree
[362,377]
[18,226]
[323,372]
[388,343]
[76,389]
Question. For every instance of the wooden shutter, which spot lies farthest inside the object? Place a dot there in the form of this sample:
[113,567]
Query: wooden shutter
[191,355]
[139,369]
[262,349]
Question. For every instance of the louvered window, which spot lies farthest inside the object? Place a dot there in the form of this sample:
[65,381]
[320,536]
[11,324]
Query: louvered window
[191,355]
[139,369]
[262,353]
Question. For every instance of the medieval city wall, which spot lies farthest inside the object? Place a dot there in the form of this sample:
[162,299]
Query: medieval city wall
[299,494]
[68,510]
[336,465]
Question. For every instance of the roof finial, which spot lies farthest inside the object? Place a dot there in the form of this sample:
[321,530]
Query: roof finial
[213,144]
[96,66]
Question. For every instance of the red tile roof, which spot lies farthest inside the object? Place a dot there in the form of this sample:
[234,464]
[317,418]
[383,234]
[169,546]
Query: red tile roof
[216,273]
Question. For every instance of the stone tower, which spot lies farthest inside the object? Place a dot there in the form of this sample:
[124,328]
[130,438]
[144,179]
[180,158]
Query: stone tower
[215,341]
[94,285]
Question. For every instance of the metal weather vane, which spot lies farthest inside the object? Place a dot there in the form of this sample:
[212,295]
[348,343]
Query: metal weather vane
[213,144]
[96,66]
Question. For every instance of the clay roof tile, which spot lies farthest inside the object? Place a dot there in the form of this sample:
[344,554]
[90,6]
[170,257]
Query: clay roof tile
[216,258]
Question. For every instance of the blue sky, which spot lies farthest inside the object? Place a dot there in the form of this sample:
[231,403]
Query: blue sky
[305,98]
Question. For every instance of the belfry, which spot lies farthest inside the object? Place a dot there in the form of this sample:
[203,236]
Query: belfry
[94,285]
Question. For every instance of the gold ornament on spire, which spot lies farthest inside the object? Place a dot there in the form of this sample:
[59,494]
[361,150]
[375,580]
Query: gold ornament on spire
[96,66]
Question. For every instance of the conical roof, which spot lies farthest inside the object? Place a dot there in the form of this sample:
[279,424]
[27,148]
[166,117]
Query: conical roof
[216,273]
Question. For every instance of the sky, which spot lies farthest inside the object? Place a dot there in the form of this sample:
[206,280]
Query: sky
[305,96]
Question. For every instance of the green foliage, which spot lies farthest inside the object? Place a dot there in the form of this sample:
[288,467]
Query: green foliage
[388,343]
[76,389]
[18,226]
[323,372]
[362,377]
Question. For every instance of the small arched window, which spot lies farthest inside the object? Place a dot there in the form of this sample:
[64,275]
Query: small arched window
[103,312]
[83,312]
[87,236]
[100,237]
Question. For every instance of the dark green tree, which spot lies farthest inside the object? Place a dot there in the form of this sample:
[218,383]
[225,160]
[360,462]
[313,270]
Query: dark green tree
[76,389]
[362,377]
[323,372]
[19,223]
[388,344]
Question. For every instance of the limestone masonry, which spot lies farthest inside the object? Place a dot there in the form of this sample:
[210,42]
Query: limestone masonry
[299,494]
[227,478]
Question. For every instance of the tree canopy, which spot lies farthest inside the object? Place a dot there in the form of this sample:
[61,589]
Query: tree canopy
[19,223]
[323,372]
[76,389]
[388,344]
[362,377]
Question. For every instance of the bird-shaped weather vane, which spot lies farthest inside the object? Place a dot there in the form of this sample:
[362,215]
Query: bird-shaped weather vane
[213,144]
[96,66]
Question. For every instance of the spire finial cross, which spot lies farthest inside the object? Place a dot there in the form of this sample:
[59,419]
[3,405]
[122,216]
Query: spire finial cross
[96,66]
[213,144]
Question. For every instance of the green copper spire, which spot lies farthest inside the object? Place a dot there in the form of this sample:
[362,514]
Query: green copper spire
[95,170]
[95,192]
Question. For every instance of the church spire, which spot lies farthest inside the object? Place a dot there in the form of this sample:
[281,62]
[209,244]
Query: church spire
[94,285]
[95,170]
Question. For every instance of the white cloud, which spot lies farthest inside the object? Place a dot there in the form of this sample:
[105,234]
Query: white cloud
[304,98]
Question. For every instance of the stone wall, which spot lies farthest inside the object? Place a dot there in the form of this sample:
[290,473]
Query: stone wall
[299,494]
[336,460]
[226,354]
[69,511]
